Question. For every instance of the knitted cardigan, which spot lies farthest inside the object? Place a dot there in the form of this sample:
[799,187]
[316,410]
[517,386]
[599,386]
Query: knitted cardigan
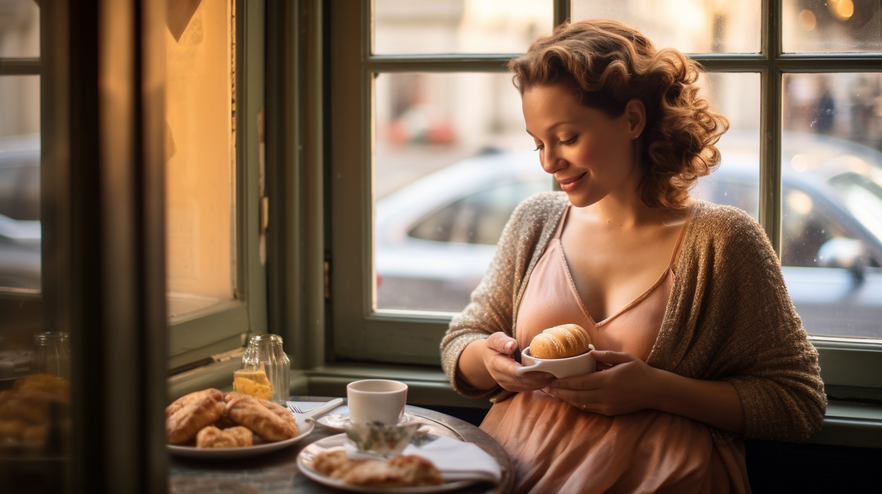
[728,317]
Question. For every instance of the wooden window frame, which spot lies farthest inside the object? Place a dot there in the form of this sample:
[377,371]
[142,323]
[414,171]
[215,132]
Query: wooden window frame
[851,368]
[194,338]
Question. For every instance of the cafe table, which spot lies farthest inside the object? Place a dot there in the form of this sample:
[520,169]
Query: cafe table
[277,472]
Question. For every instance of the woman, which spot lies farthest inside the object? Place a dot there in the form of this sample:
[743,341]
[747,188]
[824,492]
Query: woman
[698,342]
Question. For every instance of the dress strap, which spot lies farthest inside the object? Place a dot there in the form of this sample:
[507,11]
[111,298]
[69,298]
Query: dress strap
[563,219]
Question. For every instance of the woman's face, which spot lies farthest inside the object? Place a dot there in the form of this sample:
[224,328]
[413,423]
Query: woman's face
[590,154]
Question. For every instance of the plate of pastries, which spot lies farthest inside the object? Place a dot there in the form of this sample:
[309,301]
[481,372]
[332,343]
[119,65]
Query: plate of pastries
[27,418]
[211,424]
[326,462]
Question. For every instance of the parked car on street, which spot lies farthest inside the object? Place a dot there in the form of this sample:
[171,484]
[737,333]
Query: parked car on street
[20,230]
[436,236]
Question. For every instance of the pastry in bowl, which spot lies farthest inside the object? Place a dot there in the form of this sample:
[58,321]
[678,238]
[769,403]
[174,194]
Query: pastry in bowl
[562,351]
[566,340]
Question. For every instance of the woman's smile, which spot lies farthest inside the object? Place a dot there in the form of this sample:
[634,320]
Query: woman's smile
[570,183]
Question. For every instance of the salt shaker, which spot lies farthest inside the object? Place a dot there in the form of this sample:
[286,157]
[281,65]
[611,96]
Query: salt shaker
[51,354]
[266,350]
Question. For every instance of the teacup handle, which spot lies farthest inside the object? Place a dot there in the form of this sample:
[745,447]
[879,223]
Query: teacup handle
[520,371]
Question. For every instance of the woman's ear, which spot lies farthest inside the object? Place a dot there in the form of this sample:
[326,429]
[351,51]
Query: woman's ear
[636,113]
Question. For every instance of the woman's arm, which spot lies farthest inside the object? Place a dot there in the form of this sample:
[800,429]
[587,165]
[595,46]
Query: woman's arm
[471,369]
[631,385]
[716,403]
[464,351]
[487,363]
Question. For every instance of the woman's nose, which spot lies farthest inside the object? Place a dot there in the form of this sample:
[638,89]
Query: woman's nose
[551,161]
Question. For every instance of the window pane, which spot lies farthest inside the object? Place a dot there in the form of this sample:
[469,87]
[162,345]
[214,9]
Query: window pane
[736,181]
[200,158]
[691,26]
[452,162]
[19,29]
[832,26]
[20,232]
[462,26]
[832,202]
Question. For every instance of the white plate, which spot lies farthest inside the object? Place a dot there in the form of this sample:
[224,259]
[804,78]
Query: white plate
[303,426]
[308,454]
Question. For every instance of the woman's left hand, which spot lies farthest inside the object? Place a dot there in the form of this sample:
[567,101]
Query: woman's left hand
[625,386]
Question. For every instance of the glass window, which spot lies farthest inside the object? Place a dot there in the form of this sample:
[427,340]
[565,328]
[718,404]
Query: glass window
[452,162]
[19,29]
[831,26]
[832,202]
[20,231]
[200,166]
[422,155]
[736,181]
[443,256]
[35,397]
[478,218]
[459,26]
[691,26]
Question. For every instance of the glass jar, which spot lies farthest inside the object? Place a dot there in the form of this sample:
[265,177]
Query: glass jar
[266,350]
[51,354]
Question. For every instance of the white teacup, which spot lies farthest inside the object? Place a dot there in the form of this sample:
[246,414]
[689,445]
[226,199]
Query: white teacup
[376,400]
[559,367]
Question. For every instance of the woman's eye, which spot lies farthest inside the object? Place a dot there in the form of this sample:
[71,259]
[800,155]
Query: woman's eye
[538,147]
[569,141]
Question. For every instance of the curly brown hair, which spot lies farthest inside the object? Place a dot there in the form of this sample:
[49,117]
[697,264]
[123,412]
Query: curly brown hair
[608,64]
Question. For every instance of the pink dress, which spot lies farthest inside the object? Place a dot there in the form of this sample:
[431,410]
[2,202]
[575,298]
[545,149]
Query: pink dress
[556,447]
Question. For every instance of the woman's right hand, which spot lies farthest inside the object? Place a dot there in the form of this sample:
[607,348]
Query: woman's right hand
[498,356]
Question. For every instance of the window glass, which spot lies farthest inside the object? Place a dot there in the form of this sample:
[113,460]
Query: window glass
[459,26]
[832,176]
[478,218]
[20,231]
[199,158]
[436,229]
[691,26]
[19,29]
[831,26]
[736,181]
[452,162]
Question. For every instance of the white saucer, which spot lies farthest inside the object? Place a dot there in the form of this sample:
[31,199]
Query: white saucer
[340,421]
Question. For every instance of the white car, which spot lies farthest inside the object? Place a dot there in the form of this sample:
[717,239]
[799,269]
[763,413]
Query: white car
[20,230]
[436,236]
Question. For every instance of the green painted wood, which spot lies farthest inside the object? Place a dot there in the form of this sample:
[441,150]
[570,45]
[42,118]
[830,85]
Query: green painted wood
[195,355]
[206,327]
[20,66]
[250,84]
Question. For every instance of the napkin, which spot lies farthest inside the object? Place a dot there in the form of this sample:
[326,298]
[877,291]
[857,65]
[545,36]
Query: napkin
[458,460]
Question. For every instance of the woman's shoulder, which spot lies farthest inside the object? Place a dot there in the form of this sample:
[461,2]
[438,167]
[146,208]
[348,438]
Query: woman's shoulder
[542,205]
[545,201]
[718,219]
[534,220]
[727,228]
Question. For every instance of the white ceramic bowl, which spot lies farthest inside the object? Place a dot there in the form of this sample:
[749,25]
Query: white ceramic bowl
[559,367]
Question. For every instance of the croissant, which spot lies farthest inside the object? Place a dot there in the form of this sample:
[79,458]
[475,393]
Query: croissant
[566,340]
[190,413]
